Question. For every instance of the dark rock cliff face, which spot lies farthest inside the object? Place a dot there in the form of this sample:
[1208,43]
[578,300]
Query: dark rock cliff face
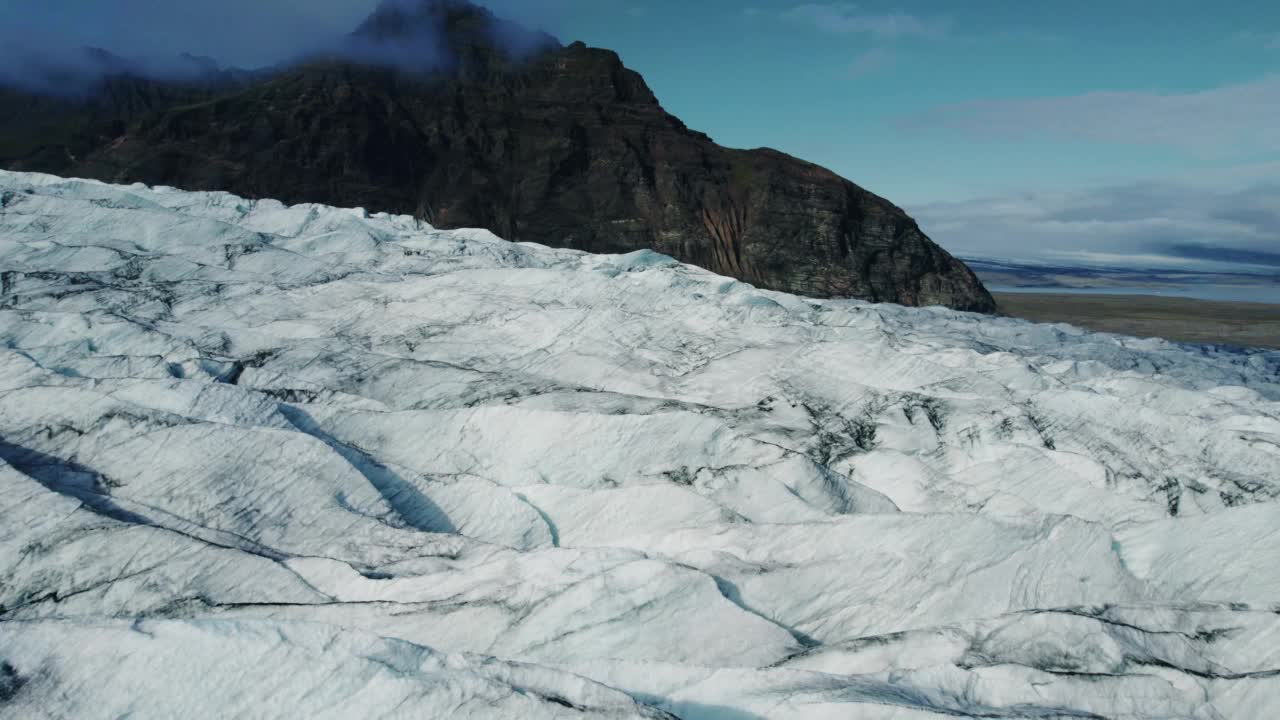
[559,145]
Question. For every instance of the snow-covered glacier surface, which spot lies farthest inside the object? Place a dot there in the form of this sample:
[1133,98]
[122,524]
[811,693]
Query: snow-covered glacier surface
[300,461]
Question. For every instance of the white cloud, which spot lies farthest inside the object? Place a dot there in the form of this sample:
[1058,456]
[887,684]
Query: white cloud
[870,61]
[1142,224]
[846,18]
[1268,40]
[1230,118]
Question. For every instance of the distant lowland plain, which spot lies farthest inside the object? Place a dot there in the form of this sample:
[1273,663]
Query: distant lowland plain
[1223,308]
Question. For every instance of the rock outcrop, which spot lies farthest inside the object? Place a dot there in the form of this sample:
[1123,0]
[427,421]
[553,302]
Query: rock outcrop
[507,130]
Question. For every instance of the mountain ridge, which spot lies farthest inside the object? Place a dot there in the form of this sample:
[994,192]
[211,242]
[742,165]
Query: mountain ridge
[561,145]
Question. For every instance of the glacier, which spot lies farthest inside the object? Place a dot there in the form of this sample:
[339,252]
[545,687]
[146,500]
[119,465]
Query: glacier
[261,461]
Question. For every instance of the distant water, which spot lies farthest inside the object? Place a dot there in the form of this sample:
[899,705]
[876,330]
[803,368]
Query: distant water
[1226,293]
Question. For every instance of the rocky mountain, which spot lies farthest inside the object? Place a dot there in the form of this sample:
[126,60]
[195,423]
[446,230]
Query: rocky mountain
[439,109]
[268,461]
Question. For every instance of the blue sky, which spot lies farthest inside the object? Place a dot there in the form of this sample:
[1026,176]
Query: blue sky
[1111,133]
[878,91]
[1007,127]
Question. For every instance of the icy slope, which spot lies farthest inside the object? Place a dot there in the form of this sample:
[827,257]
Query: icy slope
[263,460]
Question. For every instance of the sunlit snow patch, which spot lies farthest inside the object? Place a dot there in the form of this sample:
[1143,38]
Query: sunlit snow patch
[265,460]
